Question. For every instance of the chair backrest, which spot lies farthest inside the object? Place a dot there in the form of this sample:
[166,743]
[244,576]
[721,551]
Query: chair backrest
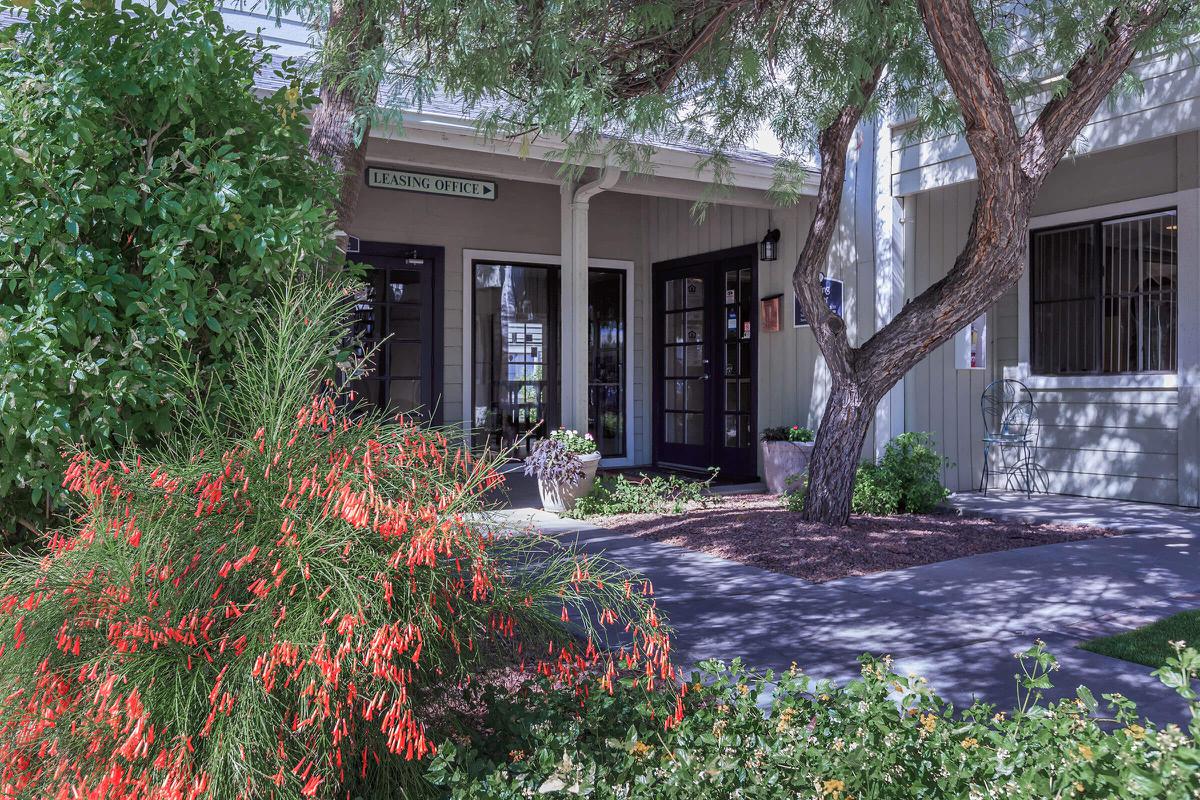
[1008,408]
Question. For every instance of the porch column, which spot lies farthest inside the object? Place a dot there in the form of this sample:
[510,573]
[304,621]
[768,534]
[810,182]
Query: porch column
[889,223]
[574,279]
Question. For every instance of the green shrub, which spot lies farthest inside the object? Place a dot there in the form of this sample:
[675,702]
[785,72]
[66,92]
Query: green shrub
[146,196]
[278,600]
[882,737]
[907,480]
[655,494]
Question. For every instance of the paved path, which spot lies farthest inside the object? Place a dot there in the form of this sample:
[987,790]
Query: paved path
[956,622]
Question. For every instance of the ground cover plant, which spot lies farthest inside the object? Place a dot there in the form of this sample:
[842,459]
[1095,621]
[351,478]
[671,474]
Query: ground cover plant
[278,599]
[647,494]
[146,195]
[883,737]
[1152,645]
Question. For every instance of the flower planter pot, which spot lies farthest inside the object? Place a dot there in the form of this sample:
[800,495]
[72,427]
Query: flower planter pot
[783,460]
[559,498]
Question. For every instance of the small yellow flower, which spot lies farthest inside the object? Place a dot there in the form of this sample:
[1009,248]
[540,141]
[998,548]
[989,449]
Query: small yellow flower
[1135,731]
[292,95]
[969,742]
[1079,787]
[824,698]
[1086,752]
[743,689]
[833,788]
[928,722]
[640,749]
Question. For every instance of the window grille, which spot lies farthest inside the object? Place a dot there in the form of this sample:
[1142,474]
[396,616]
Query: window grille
[1103,296]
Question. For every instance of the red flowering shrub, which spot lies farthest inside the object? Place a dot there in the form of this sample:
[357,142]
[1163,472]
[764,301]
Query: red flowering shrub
[272,604]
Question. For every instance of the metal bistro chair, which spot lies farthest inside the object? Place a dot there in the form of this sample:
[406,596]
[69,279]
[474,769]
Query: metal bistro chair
[1011,431]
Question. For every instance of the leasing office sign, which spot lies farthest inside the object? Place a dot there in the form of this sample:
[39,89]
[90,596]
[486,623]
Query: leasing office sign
[403,181]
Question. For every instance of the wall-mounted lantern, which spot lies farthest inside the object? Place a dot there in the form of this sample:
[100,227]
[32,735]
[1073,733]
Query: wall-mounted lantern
[768,248]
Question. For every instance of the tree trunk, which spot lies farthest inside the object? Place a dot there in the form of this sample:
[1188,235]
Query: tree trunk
[1010,169]
[334,141]
[341,124]
[837,452]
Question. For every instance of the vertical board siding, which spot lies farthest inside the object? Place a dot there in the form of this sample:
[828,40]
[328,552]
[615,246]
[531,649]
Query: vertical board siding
[940,399]
[1114,442]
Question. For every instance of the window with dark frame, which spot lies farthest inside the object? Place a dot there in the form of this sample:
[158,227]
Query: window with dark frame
[1103,296]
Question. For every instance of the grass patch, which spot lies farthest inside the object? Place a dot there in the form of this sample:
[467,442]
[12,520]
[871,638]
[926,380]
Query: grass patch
[1150,644]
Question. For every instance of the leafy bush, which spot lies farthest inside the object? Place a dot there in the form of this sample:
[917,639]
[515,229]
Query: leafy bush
[783,433]
[655,494]
[907,480]
[277,601]
[882,737]
[146,195]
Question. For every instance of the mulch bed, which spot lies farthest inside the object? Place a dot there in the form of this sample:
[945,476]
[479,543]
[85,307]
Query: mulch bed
[756,529]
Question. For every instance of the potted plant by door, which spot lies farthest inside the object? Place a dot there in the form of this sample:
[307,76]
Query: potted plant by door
[786,452]
[565,465]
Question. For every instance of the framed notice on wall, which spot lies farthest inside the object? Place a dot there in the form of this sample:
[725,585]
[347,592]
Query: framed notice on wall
[832,289]
[768,312]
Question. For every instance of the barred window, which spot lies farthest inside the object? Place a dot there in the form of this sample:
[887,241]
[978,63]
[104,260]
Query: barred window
[1103,296]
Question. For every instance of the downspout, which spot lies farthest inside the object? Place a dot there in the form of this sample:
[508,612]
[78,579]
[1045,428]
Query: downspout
[607,180]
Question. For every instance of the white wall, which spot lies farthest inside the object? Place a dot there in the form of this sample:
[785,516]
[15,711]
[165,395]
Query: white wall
[1168,104]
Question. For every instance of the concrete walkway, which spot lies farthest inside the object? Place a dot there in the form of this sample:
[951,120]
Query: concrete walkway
[957,622]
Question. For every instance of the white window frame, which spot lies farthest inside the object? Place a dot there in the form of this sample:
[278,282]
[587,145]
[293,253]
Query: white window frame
[1189,255]
[471,256]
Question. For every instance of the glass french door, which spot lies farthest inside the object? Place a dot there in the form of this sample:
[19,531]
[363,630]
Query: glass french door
[606,360]
[516,354]
[705,355]
[394,321]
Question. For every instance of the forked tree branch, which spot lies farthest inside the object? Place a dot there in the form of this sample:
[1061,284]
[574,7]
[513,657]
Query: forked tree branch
[1088,82]
[829,329]
[1010,171]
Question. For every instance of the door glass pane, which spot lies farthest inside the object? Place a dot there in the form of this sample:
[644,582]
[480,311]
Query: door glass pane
[673,428]
[673,361]
[674,394]
[515,352]
[606,356]
[403,396]
[674,294]
[404,359]
[693,293]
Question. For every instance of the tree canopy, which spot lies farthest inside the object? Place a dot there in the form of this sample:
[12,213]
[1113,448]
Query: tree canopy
[616,77]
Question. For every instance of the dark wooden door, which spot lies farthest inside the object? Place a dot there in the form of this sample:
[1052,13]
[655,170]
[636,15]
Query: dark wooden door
[705,353]
[397,319]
